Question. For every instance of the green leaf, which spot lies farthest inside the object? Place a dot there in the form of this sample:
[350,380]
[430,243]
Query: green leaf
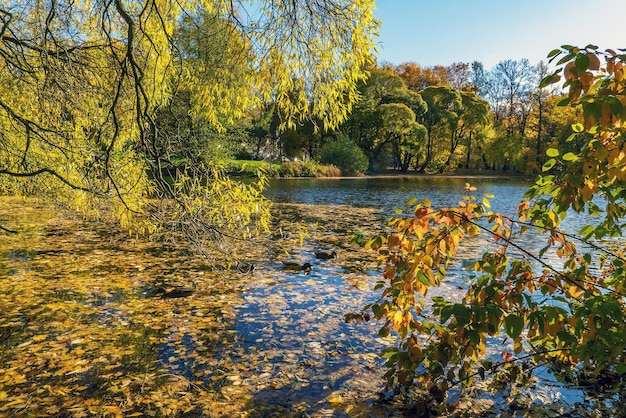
[548,164]
[563,102]
[513,325]
[565,59]
[578,127]
[554,52]
[389,352]
[550,79]
[616,106]
[423,278]
[582,63]
[462,313]
[570,156]
[552,152]
[377,311]
[446,313]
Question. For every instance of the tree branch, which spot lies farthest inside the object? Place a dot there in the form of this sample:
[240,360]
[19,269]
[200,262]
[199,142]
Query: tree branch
[48,171]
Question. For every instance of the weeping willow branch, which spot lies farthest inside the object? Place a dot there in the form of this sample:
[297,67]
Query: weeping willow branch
[47,171]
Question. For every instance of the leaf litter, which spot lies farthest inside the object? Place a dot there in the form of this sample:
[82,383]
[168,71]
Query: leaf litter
[82,332]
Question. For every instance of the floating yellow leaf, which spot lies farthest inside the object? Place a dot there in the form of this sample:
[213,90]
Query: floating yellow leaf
[335,399]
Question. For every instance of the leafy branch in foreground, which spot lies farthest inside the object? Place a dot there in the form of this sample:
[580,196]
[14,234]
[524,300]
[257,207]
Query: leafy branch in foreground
[562,305]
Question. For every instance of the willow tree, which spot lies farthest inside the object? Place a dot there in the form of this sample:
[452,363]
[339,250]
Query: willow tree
[81,83]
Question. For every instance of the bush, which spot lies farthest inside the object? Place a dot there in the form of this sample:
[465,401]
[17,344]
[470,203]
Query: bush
[250,168]
[298,169]
[328,171]
[345,154]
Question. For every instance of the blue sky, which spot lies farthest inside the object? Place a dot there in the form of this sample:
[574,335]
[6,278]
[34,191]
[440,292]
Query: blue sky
[433,32]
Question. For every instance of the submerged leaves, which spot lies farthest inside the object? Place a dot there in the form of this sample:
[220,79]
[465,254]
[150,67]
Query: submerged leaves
[81,334]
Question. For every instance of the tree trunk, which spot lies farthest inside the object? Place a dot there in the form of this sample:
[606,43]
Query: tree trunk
[428,155]
[406,162]
[469,146]
[539,132]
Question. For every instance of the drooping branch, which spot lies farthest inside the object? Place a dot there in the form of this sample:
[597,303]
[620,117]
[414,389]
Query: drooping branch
[5,17]
[46,171]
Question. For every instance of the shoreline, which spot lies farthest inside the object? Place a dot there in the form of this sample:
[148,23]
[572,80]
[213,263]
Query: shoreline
[456,175]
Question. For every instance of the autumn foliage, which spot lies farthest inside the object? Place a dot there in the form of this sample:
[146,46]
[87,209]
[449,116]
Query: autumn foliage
[567,310]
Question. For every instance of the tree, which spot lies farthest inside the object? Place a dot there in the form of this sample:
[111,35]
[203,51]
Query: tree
[460,76]
[82,83]
[418,78]
[214,51]
[386,113]
[443,106]
[569,314]
[511,84]
[478,79]
[409,140]
[398,125]
[474,114]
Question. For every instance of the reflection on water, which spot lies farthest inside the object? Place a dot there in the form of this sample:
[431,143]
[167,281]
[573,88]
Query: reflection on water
[386,194]
[389,193]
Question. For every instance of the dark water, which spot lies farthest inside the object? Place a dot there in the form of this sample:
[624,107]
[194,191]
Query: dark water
[389,193]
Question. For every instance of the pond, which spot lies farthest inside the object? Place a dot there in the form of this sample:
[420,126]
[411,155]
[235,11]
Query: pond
[80,334]
[386,194]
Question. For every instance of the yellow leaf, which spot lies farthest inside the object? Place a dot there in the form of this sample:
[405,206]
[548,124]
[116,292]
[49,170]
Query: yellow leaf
[576,292]
[335,399]
[587,193]
[14,403]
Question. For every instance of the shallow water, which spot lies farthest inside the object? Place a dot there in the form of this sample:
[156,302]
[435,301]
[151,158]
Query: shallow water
[76,311]
[386,194]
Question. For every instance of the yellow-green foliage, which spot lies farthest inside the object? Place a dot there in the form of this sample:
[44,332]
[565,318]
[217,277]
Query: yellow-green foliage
[81,82]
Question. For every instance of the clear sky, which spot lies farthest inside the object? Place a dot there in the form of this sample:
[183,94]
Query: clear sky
[440,32]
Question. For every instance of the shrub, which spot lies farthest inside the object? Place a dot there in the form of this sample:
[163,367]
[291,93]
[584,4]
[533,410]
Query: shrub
[345,154]
[298,169]
[250,168]
[328,171]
